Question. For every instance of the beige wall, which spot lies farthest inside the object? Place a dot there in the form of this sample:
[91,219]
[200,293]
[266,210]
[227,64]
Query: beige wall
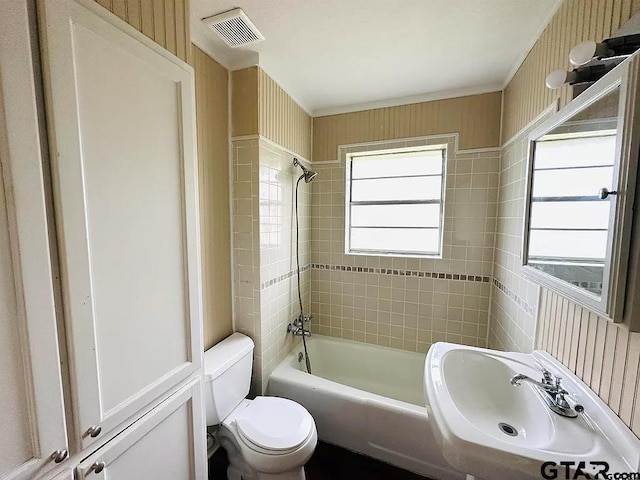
[261,106]
[476,118]
[604,355]
[212,119]
[282,119]
[576,21]
[164,21]
[244,102]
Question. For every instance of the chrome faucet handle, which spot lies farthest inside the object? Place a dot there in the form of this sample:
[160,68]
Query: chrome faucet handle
[550,379]
[308,319]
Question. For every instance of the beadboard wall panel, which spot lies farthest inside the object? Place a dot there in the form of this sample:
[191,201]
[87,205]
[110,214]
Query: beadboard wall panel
[476,118]
[244,102]
[282,119]
[575,21]
[212,113]
[166,22]
[603,354]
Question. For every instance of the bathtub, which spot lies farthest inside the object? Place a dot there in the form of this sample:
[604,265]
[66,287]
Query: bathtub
[368,399]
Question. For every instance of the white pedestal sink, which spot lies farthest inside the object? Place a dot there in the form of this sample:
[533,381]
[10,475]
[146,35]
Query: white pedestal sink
[491,429]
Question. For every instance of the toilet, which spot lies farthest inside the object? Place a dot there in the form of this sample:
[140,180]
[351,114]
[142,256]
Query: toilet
[268,438]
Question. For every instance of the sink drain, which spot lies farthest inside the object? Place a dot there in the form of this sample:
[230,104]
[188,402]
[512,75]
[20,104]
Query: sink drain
[508,429]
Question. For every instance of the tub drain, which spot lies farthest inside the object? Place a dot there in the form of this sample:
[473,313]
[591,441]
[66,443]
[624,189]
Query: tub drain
[508,429]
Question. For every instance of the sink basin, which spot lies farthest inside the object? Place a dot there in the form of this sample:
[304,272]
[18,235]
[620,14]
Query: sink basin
[492,429]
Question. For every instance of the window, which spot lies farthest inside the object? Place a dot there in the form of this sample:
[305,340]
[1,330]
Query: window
[568,221]
[394,202]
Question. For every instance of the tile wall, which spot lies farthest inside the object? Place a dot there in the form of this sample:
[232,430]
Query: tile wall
[514,299]
[265,281]
[279,303]
[408,303]
[246,248]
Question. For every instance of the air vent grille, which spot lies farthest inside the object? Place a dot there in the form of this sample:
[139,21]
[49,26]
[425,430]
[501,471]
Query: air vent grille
[234,27]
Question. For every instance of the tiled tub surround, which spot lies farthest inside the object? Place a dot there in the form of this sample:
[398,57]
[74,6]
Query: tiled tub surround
[279,295]
[514,307]
[265,281]
[378,306]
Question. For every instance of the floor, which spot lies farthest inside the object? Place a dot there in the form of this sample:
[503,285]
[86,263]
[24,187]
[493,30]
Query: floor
[330,463]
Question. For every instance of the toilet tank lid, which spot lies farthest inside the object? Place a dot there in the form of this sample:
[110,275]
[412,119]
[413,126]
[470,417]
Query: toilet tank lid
[223,355]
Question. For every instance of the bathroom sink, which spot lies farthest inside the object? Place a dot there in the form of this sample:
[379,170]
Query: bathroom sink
[488,427]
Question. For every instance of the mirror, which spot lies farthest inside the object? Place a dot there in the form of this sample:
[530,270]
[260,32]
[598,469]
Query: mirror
[577,214]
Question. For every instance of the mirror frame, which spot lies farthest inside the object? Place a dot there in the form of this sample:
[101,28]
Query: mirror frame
[611,302]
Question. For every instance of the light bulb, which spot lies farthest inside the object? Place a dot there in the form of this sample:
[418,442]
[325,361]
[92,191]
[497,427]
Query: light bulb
[556,79]
[585,51]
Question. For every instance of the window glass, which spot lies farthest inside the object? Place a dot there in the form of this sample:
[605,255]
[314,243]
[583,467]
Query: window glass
[394,202]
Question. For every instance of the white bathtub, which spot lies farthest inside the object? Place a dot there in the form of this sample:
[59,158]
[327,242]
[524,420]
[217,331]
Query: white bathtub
[368,399]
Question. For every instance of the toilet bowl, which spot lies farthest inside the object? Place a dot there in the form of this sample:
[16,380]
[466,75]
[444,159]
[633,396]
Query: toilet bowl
[268,438]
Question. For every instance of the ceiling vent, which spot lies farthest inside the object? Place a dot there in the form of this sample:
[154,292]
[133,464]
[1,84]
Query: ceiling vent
[234,27]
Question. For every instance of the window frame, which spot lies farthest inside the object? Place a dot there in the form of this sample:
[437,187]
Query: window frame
[567,198]
[444,149]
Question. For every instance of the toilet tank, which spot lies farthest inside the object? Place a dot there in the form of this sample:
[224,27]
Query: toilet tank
[227,376]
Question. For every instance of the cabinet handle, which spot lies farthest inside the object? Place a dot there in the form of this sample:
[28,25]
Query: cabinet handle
[94,431]
[59,456]
[97,467]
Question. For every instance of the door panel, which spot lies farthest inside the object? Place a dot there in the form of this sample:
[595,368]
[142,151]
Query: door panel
[122,137]
[66,475]
[32,421]
[165,444]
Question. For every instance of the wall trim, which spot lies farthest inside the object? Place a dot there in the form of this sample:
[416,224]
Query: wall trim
[270,142]
[478,150]
[403,273]
[446,137]
[515,298]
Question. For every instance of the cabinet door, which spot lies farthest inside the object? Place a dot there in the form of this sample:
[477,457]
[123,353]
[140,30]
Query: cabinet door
[165,444]
[122,139]
[65,475]
[32,422]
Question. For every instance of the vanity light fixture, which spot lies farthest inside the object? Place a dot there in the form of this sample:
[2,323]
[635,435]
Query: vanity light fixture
[587,73]
[611,47]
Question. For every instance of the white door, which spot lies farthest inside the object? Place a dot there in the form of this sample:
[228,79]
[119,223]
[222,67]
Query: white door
[165,444]
[32,422]
[121,131]
[65,475]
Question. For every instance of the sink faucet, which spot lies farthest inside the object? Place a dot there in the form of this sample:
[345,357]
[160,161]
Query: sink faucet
[297,326]
[552,393]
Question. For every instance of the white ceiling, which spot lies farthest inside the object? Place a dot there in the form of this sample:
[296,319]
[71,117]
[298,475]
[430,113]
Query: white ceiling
[334,56]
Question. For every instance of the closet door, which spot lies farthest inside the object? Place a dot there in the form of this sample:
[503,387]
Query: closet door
[32,422]
[121,131]
[160,446]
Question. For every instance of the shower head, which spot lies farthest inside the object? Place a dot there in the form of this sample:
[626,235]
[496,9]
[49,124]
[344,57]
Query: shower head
[308,175]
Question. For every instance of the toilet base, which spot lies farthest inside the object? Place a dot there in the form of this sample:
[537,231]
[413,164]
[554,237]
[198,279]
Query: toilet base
[234,473]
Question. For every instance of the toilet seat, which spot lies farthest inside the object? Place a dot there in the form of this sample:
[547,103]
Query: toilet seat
[274,426]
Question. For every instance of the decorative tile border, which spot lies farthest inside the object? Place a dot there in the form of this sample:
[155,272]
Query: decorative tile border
[528,309]
[402,273]
[282,277]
